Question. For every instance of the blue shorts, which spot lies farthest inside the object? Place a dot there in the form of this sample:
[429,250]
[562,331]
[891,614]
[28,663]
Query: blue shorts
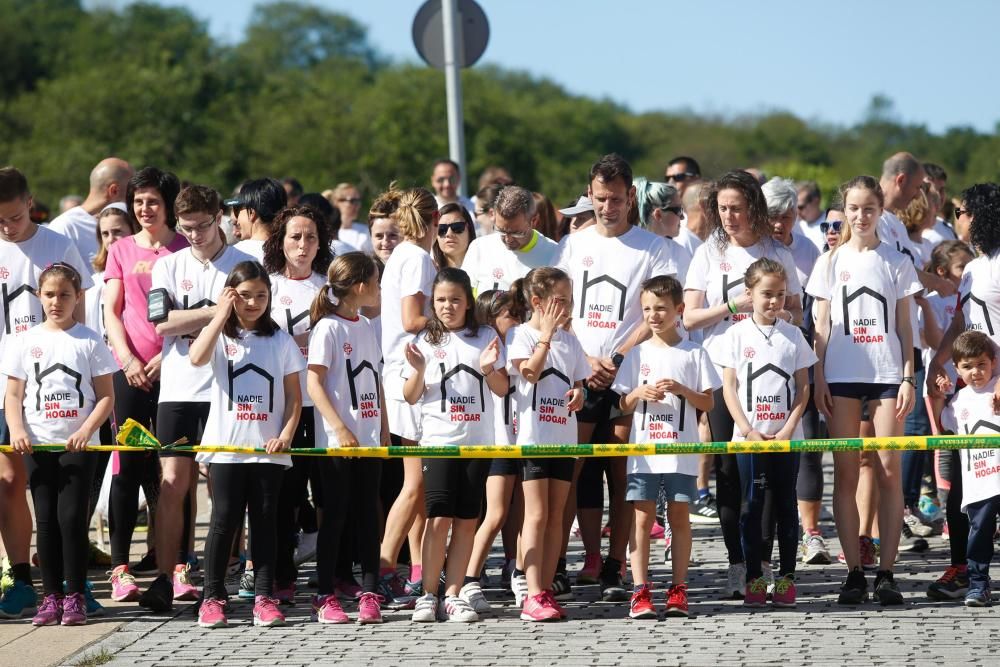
[864,391]
[678,487]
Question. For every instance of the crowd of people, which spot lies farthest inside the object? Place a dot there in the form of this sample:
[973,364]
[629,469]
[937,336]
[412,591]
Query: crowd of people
[680,310]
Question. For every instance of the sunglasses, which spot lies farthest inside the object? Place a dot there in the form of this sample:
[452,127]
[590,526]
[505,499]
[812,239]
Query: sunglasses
[680,178]
[349,200]
[959,212]
[836,225]
[676,210]
[455,227]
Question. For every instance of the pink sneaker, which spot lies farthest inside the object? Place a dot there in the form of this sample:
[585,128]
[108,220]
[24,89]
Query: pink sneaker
[326,609]
[784,592]
[591,570]
[347,589]
[756,593]
[866,548]
[656,532]
[536,608]
[212,614]
[370,608]
[553,602]
[285,594]
[49,612]
[184,590]
[74,609]
[266,613]
[123,588]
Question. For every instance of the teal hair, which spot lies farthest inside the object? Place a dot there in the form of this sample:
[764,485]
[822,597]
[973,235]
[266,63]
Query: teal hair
[650,195]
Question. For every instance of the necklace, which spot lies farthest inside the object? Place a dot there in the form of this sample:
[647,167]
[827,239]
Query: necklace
[767,337]
[204,264]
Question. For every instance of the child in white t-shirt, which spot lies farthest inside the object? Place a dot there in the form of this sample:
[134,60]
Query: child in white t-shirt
[765,363]
[59,390]
[454,366]
[663,382]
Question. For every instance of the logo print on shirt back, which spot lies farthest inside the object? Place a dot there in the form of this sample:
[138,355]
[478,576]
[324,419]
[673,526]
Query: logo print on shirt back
[858,293]
[9,297]
[968,297]
[41,375]
[232,374]
[844,276]
[726,267]
[644,369]
[440,354]
[588,261]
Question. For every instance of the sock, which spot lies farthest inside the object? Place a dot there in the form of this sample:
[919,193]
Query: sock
[813,531]
[469,580]
[21,572]
[386,571]
[639,587]
[561,565]
[416,572]
[517,572]
[702,493]
[875,540]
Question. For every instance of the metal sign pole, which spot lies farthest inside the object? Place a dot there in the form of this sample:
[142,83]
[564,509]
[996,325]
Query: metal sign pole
[453,86]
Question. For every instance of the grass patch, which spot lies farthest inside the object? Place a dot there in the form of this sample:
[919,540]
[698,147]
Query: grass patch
[92,659]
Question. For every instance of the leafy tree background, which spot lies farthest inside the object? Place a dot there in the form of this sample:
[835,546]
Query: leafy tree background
[305,94]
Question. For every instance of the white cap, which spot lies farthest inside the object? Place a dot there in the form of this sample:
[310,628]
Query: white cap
[583,205]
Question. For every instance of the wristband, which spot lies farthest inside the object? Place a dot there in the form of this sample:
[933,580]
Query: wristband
[732,306]
[546,343]
[486,374]
[911,380]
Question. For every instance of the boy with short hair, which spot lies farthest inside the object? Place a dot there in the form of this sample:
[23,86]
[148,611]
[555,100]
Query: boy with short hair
[663,382]
[975,359]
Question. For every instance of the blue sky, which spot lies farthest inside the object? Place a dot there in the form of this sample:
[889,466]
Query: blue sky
[822,61]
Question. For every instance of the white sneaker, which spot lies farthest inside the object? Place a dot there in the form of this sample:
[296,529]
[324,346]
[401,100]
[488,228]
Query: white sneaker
[472,593]
[306,549]
[736,582]
[768,573]
[519,585]
[426,609]
[458,610]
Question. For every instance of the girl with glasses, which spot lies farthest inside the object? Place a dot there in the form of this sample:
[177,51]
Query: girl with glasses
[455,232]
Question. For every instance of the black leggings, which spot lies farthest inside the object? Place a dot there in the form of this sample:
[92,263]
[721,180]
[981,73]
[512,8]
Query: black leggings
[950,468]
[239,489]
[135,469]
[350,498]
[728,492]
[60,486]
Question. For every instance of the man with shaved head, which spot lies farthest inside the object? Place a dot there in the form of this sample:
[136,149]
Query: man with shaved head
[108,181]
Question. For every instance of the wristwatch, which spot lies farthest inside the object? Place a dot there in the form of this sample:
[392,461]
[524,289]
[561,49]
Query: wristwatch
[911,380]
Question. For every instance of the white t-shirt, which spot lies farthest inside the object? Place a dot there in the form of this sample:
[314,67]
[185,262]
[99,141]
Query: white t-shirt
[973,410]
[891,230]
[456,405]
[350,352]
[357,236]
[765,365]
[720,276]
[670,420]
[190,284]
[941,231]
[943,308]
[805,254]
[410,270]
[252,247]
[505,418]
[491,265]
[94,305]
[541,407]
[20,265]
[290,303]
[247,394]
[59,368]
[607,274]
[464,201]
[688,240]
[979,291]
[813,232]
[79,227]
[863,288]
[340,248]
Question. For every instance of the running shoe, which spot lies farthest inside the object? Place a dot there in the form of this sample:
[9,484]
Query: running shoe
[414,588]
[656,532]
[158,597]
[952,585]
[97,557]
[736,582]
[855,589]
[606,531]
[184,590]
[919,525]
[641,605]
[146,564]
[194,562]
[285,594]
[6,575]
[945,532]
[553,602]
[561,588]
[74,610]
[704,510]
[886,589]
[425,610]
[910,542]
[519,584]
[369,608]
[814,550]
[94,608]
[234,572]
[49,612]
[591,571]
[756,593]
[472,593]
[347,589]
[768,575]
[677,601]
[536,608]
[978,597]
[266,613]
[930,508]
[18,600]
[392,589]
[784,592]
[457,610]
[247,590]
[123,588]
[306,549]
[506,571]
[612,582]
[868,553]
[212,613]
[327,609]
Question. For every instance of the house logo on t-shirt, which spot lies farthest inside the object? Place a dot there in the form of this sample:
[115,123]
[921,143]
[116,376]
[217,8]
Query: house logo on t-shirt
[24,322]
[247,404]
[761,406]
[292,320]
[865,329]
[728,287]
[58,404]
[599,315]
[975,326]
[547,410]
[663,426]
[459,406]
[368,402]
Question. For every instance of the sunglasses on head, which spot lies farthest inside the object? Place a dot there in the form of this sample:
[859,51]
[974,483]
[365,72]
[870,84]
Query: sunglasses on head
[836,224]
[455,227]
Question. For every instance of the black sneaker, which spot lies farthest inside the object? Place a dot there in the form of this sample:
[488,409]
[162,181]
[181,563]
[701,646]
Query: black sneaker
[886,589]
[855,589]
[146,564]
[159,597]
[561,589]
[952,585]
[612,584]
[704,510]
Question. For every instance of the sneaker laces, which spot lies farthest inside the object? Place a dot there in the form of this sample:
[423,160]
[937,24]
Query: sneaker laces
[949,575]
[368,599]
[268,603]
[183,576]
[50,603]
[122,575]
[782,585]
[213,605]
[74,604]
[758,585]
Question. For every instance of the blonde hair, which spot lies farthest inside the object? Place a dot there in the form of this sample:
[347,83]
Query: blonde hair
[415,213]
[915,212]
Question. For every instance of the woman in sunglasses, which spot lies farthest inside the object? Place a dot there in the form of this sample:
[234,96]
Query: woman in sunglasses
[831,226]
[455,232]
[659,208]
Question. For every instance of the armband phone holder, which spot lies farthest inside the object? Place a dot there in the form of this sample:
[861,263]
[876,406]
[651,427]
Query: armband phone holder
[158,305]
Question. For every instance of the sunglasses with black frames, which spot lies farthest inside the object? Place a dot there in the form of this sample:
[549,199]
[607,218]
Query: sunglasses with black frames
[455,227]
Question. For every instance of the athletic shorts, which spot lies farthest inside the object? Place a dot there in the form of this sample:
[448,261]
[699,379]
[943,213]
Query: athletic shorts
[678,487]
[505,467]
[454,488]
[864,391]
[599,406]
[560,469]
[181,419]
[404,419]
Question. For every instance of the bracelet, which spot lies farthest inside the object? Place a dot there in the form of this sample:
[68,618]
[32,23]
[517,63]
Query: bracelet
[546,343]
[732,306]
[128,364]
[486,374]
[911,380]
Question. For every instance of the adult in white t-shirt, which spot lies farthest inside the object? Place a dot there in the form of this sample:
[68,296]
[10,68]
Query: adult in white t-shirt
[347,199]
[108,182]
[254,210]
[497,260]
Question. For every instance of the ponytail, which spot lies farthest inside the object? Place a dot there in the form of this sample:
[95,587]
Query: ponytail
[346,271]
[520,300]
[539,282]
[415,213]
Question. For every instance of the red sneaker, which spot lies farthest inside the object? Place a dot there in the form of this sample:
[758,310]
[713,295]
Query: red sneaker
[677,601]
[642,604]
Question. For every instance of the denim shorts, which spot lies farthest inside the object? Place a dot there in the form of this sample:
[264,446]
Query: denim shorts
[864,391]
[678,487]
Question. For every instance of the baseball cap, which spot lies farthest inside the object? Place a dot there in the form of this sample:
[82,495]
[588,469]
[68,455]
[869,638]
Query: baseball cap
[583,205]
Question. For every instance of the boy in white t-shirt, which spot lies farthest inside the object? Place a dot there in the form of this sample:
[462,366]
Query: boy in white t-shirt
[663,382]
[974,411]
